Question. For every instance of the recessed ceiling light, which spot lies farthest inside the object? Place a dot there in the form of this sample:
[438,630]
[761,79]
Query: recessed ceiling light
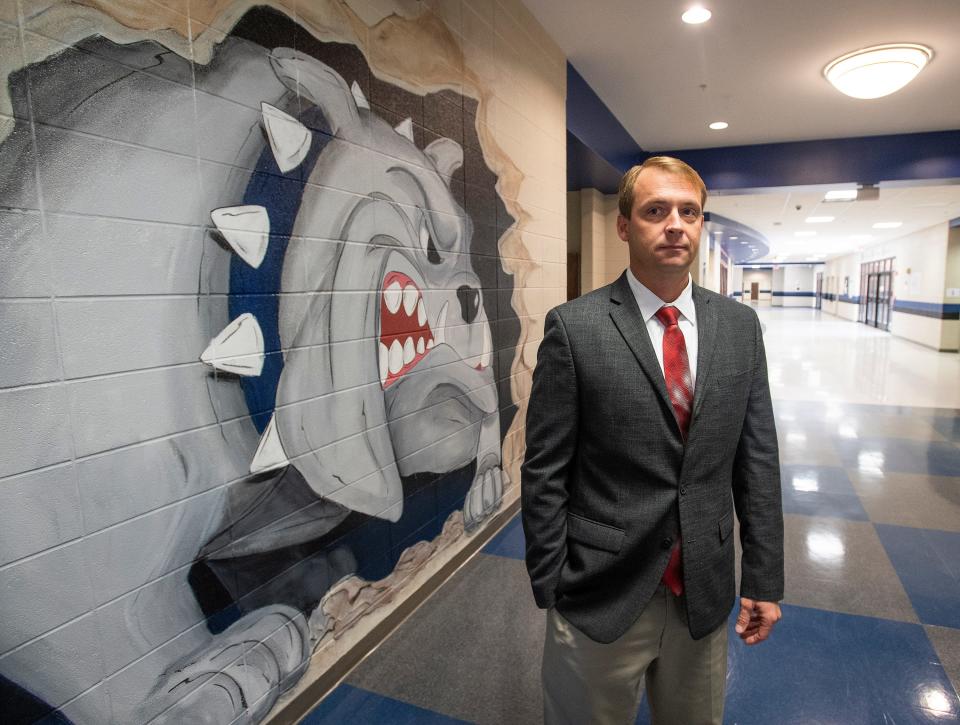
[719,125]
[840,195]
[734,238]
[877,71]
[819,219]
[810,233]
[887,225]
[696,15]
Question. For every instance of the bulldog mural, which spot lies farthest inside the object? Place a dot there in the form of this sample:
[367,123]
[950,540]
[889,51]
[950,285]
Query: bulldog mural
[345,358]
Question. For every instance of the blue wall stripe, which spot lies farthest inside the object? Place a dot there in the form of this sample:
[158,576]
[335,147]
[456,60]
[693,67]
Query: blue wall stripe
[901,157]
[794,294]
[589,119]
[928,309]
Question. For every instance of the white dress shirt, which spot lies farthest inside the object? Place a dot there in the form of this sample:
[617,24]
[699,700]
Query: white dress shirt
[649,303]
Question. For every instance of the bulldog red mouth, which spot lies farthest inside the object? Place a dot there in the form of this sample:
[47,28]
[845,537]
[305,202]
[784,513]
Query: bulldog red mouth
[405,334]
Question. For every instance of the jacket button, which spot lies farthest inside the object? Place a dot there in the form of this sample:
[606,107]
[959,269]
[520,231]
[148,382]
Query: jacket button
[683,491]
[666,543]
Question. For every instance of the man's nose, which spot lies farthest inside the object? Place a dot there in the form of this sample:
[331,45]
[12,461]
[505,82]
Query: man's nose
[673,219]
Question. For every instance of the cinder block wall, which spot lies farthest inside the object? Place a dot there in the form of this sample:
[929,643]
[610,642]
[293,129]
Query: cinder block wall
[274,279]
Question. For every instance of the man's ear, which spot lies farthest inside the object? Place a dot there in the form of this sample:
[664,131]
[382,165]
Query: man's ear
[622,222]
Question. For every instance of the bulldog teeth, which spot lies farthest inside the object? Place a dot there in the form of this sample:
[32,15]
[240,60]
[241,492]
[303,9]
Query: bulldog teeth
[487,347]
[410,297]
[392,295]
[408,353]
[384,355]
[440,334]
[395,357]
[421,314]
[430,344]
[420,347]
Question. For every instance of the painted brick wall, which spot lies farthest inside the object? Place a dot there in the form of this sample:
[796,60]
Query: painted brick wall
[273,284]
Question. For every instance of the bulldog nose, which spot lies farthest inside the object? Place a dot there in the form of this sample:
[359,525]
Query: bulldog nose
[469,302]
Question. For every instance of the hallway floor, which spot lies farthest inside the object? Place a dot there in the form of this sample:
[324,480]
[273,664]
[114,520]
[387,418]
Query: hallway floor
[869,429]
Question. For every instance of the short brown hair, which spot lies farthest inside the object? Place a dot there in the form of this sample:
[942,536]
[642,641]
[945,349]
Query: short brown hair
[664,163]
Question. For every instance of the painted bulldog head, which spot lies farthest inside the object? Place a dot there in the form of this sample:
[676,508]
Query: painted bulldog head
[387,362]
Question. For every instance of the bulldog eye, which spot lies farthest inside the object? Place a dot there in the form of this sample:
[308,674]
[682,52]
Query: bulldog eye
[426,243]
[469,302]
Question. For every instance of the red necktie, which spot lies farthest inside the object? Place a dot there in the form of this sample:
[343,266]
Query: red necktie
[676,373]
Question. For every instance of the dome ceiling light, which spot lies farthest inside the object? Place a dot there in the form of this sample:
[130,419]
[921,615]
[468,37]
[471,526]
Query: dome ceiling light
[877,71]
[696,15]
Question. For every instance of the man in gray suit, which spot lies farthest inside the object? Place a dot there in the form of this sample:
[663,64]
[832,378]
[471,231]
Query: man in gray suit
[649,422]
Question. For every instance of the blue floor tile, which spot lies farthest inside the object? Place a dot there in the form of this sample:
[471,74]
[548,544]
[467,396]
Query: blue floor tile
[934,458]
[348,704]
[820,491]
[508,542]
[825,667]
[928,564]
[947,426]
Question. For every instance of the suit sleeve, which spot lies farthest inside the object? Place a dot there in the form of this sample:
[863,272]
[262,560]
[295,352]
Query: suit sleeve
[756,490]
[552,423]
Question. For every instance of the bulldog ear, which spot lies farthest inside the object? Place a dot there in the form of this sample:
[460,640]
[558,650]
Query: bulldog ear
[447,156]
[318,83]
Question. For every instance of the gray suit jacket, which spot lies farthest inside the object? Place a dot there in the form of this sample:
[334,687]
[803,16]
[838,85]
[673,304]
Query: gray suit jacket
[608,485]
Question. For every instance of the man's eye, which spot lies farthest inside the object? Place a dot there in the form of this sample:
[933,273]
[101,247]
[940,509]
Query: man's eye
[655,211]
[691,213]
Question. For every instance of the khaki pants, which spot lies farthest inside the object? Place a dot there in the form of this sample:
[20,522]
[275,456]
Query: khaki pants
[588,682]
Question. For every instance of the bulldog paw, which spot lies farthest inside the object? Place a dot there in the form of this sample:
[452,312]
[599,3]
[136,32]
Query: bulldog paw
[239,676]
[484,496]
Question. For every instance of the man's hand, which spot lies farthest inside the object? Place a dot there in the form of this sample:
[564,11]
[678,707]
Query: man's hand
[756,620]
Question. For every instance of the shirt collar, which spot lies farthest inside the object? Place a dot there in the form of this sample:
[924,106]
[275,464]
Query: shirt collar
[649,303]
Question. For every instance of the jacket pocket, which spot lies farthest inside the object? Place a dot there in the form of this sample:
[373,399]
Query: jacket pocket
[593,533]
[726,526]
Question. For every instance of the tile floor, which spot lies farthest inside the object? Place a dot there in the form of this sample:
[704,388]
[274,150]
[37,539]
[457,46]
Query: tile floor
[869,429]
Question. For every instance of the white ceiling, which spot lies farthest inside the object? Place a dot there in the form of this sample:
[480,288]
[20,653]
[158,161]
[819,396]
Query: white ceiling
[761,63]
[775,215]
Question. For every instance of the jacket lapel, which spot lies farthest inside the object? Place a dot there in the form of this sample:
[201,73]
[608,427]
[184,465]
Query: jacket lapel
[706,341]
[626,316]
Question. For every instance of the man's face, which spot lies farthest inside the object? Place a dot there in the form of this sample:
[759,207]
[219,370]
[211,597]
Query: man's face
[663,231]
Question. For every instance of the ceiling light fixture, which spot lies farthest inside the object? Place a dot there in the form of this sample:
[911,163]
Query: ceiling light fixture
[696,15]
[877,71]
[819,219]
[719,125]
[840,195]
[887,225]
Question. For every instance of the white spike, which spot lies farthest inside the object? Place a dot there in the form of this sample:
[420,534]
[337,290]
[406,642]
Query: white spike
[270,453]
[238,349]
[487,348]
[405,129]
[289,139]
[359,97]
[246,229]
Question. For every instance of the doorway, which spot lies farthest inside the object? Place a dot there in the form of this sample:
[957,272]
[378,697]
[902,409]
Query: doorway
[754,291]
[876,293]
[819,304]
